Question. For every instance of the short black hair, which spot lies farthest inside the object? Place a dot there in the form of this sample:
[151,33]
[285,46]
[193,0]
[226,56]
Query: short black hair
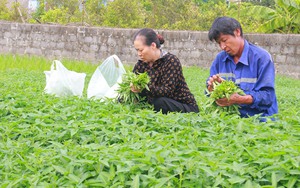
[150,36]
[223,25]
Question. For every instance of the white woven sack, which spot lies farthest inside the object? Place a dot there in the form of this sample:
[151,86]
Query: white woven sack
[105,80]
[62,82]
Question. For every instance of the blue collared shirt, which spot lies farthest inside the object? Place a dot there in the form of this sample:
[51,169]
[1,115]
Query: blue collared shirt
[254,74]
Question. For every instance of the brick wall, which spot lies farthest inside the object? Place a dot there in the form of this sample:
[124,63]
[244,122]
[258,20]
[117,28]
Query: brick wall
[94,44]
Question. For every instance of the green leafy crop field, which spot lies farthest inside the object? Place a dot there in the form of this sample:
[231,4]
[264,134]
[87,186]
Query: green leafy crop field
[75,142]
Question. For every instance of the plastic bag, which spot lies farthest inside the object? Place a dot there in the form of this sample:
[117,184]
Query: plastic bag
[62,82]
[105,80]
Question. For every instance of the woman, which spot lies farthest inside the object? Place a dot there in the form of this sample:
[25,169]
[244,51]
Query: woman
[168,89]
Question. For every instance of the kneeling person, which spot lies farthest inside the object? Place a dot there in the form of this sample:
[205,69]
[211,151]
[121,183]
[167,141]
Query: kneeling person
[168,90]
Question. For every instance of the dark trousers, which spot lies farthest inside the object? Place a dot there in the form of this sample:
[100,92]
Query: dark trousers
[166,105]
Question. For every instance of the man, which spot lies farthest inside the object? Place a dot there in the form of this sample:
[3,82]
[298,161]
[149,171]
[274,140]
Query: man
[249,66]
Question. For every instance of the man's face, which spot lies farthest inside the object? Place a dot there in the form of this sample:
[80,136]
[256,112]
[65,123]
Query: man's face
[233,45]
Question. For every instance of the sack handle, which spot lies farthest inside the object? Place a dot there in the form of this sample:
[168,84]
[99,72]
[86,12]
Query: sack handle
[57,65]
[117,58]
[119,63]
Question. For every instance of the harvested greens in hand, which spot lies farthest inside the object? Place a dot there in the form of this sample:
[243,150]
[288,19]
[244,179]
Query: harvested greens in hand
[221,90]
[138,81]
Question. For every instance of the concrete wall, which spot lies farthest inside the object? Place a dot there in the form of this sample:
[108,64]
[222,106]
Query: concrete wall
[94,44]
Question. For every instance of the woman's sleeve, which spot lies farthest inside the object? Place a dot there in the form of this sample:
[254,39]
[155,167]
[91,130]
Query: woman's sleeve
[138,68]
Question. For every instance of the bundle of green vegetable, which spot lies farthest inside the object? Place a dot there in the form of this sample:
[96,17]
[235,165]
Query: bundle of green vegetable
[224,90]
[138,81]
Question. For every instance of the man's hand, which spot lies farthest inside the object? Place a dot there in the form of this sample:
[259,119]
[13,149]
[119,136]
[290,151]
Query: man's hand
[211,80]
[235,99]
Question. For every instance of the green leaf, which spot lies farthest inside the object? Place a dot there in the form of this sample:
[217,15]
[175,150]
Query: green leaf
[136,182]
[65,142]
[74,178]
[292,181]
[248,184]
[219,181]
[236,179]
[163,181]
[60,169]
[274,179]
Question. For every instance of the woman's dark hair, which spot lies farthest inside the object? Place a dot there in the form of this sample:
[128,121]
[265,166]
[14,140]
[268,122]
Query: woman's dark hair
[223,25]
[150,36]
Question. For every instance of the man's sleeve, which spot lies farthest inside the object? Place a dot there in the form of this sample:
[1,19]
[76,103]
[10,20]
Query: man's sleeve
[264,92]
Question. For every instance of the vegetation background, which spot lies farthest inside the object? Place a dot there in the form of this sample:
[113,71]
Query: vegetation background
[264,16]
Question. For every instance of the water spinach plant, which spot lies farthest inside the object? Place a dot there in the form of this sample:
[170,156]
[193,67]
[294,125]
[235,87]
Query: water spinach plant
[223,90]
[47,141]
[130,79]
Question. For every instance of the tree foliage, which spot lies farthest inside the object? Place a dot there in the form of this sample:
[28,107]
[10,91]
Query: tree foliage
[57,15]
[266,3]
[249,21]
[284,18]
[269,16]
[93,12]
[62,12]
[172,14]
[124,13]
[12,12]
[4,11]
[210,11]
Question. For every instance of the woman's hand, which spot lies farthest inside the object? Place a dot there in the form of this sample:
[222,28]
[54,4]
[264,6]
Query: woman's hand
[133,89]
[211,80]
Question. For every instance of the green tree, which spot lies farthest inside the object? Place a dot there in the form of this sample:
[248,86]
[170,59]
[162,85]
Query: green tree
[124,14]
[17,12]
[56,15]
[94,12]
[188,18]
[210,11]
[172,14]
[249,22]
[14,12]
[40,11]
[4,11]
[72,5]
[266,3]
[200,2]
[61,11]
[284,18]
